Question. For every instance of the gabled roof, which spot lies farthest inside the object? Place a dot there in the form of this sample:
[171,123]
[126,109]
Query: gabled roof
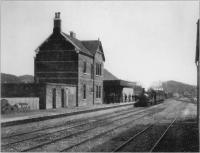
[109,76]
[111,80]
[77,43]
[93,46]
[88,47]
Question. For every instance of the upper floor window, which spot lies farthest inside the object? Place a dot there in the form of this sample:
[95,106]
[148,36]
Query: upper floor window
[92,71]
[98,69]
[84,67]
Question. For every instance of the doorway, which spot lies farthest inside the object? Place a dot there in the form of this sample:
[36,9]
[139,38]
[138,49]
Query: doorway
[54,98]
[64,97]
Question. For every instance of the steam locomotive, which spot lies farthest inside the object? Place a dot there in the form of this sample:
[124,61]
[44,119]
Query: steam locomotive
[151,97]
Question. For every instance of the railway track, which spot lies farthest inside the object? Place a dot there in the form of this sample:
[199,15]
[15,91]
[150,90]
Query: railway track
[123,146]
[58,128]
[81,131]
[104,133]
[162,136]
[65,123]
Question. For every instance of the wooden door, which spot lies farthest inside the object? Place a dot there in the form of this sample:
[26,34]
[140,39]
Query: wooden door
[54,98]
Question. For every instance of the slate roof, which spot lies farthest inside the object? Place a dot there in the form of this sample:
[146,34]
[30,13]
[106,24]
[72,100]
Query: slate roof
[78,44]
[93,45]
[89,47]
[111,80]
[109,76]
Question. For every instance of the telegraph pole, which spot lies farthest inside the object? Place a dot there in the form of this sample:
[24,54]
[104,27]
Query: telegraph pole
[197,64]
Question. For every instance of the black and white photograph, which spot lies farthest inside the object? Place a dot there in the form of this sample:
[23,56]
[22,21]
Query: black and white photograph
[100,76]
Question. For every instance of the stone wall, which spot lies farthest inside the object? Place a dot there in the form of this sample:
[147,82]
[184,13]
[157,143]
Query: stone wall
[56,61]
[11,90]
[98,78]
[69,95]
[85,79]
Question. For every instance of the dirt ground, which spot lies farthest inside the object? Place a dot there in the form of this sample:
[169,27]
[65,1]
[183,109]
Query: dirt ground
[181,137]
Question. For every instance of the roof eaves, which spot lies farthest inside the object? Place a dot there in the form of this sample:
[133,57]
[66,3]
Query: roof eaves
[81,48]
[63,34]
[37,49]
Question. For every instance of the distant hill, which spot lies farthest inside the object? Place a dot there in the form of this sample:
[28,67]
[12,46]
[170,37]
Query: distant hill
[9,78]
[179,87]
[109,76]
[26,78]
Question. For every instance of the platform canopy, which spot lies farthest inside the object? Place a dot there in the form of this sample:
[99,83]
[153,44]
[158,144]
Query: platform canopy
[121,83]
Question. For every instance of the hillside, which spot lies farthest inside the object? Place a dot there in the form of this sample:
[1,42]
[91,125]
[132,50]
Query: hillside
[9,78]
[26,78]
[179,87]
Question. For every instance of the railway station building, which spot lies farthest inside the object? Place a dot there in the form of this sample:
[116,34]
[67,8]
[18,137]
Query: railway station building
[69,72]
[71,68]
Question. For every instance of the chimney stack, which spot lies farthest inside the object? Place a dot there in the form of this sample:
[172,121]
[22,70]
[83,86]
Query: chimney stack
[57,23]
[72,34]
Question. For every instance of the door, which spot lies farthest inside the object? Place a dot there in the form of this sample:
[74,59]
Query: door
[54,98]
[64,97]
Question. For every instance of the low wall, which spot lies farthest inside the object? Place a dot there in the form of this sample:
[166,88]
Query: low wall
[19,104]
[24,90]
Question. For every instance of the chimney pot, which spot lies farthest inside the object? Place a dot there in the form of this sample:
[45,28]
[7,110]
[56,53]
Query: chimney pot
[72,34]
[57,23]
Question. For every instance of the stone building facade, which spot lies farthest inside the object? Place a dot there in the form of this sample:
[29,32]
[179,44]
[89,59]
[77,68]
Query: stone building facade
[72,68]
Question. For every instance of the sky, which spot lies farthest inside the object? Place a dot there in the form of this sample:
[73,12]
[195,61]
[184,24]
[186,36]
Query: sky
[143,41]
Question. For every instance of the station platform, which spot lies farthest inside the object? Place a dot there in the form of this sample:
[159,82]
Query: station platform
[40,115]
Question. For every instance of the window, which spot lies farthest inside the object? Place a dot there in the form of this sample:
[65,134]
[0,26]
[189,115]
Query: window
[92,70]
[84,67]
[84,91]
[98,69]
[98,91]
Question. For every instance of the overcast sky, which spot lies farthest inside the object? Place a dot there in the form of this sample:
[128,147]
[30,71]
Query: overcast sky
[142,41]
